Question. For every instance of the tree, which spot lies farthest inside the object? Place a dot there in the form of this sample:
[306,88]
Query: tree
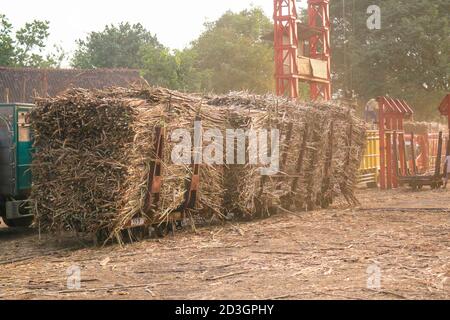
[406,58]
[115,47]
[26,47]
[6,42]
[128,46]
[190,76]
[159,66]
[231,54]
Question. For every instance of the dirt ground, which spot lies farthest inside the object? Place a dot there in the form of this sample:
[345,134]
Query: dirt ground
[402,236]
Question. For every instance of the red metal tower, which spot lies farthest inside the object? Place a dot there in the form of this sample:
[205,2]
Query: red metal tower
[319,45]
[286,47]
[313,64]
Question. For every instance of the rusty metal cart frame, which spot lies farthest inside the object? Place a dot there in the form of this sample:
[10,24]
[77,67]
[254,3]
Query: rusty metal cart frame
[418,181]
[142,221]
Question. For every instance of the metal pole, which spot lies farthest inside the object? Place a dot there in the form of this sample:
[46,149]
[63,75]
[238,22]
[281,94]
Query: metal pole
[395,152]
[389,152]
[437,171]
[382,135]
[396,167]
[413,154]
[7,95]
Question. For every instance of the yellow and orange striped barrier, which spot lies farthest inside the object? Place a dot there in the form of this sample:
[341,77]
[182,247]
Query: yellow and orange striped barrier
[370,164]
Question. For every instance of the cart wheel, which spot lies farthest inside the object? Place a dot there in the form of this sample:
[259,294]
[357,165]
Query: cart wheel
[179,225]
[163,229]
[101,236]
[139,233]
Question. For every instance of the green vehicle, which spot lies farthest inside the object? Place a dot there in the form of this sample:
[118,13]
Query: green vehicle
[16,143]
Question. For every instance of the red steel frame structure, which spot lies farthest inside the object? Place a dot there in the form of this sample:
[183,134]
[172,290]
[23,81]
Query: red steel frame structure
[428,144]
[320,45]
[286,45]
[392,112]
[444,108]
[286,48]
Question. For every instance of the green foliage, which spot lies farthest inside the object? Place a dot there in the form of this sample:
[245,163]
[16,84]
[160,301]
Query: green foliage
[25,48]
[229,55]
[31,36]
[232,55]
[115,47]
[159,66]
[407,58]
[55,59]
[6,42]
[189,78]
[128,46]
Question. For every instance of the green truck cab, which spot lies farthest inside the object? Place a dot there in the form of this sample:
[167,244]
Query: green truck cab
[16,147]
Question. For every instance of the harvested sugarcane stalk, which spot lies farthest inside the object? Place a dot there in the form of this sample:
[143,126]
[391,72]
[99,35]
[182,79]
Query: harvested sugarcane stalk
[94,155]
[321,147]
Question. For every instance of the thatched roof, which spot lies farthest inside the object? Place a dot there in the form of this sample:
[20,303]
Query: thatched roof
[21,85]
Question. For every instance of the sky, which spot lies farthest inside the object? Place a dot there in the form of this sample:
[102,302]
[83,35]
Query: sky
[175,22]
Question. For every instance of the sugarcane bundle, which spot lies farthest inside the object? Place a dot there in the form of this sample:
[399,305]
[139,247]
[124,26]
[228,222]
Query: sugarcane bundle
[194,117]
[320,148]
[94,151]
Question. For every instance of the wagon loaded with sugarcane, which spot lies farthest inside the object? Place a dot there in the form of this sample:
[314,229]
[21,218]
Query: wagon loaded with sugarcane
[104,160]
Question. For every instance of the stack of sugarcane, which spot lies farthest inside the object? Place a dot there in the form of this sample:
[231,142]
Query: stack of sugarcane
[96,153]
[320,151]
[93,158]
